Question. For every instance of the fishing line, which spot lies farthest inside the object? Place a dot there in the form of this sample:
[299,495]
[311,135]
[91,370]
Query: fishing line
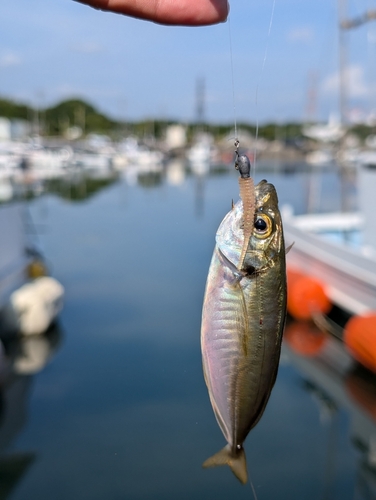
[253,167]
[233,81]
[252,487]
[257,88]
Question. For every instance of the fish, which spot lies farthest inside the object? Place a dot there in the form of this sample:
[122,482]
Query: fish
[243,319]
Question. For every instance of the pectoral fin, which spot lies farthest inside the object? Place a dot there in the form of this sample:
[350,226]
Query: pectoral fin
[238,275]
[289,247]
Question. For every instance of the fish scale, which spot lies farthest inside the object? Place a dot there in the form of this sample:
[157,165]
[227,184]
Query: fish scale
[242,323]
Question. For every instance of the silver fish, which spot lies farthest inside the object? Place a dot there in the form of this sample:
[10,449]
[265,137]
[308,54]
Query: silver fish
[242,323]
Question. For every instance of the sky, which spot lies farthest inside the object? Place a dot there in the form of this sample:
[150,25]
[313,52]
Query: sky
[285,66]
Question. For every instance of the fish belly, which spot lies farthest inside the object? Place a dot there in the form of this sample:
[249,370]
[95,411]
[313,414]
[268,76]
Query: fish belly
[241,335]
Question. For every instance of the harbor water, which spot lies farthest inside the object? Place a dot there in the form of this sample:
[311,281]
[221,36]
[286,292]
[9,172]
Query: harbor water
[119,410]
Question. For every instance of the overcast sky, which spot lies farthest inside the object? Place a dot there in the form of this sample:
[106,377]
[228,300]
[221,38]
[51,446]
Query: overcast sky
[53,50]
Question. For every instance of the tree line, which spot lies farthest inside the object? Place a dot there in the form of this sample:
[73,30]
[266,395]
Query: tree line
[56,120]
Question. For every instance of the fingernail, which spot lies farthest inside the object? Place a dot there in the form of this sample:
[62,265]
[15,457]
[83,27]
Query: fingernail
[227,11]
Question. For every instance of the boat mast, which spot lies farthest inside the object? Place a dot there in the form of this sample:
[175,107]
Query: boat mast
[346,24]
[342,9]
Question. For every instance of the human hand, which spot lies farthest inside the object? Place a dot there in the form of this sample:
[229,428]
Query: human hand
[174,12]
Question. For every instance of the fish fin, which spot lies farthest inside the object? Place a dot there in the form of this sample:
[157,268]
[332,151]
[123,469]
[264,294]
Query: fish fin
[289,247]
[227,262]
[238,275]
[236,462]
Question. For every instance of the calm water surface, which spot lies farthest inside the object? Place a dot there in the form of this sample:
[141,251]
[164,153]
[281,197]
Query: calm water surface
[121,410]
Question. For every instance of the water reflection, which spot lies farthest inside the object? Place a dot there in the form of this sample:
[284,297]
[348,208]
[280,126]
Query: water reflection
[336,382]
[78,188]
[93,177]
[175,172]
[21,359]
[125,397]
[12,469]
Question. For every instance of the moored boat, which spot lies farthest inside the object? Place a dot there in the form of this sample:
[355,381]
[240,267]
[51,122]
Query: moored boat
[333,262]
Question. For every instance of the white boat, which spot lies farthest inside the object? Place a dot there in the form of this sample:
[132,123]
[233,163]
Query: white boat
[367,159]
[130,153]
[93,164]
[339,249]
[320,158]
[332,131]
[48,163]
[202,154]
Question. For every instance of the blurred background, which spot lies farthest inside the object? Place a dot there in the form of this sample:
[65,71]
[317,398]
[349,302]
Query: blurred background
[116,168]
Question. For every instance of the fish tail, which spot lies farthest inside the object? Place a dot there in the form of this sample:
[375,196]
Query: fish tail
[235,460]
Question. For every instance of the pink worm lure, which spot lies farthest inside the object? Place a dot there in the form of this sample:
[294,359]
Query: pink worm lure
[247,195]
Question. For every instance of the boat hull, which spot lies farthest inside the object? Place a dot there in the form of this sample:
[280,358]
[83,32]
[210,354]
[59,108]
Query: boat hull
[348,276]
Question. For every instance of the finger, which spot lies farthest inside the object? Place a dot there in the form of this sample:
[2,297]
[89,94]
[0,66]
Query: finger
[174,12]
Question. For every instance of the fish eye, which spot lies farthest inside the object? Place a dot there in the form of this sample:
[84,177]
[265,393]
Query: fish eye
[260,225]
[263,226]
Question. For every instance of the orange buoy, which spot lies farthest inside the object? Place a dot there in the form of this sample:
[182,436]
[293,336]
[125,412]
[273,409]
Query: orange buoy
[306,296]
[293,275]
[304,338]
[360,339]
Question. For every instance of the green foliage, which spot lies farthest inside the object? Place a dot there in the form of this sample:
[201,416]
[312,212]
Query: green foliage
[145,128]
[269,131]
[79,191]
[10,109]
[362,131]
[76,112]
